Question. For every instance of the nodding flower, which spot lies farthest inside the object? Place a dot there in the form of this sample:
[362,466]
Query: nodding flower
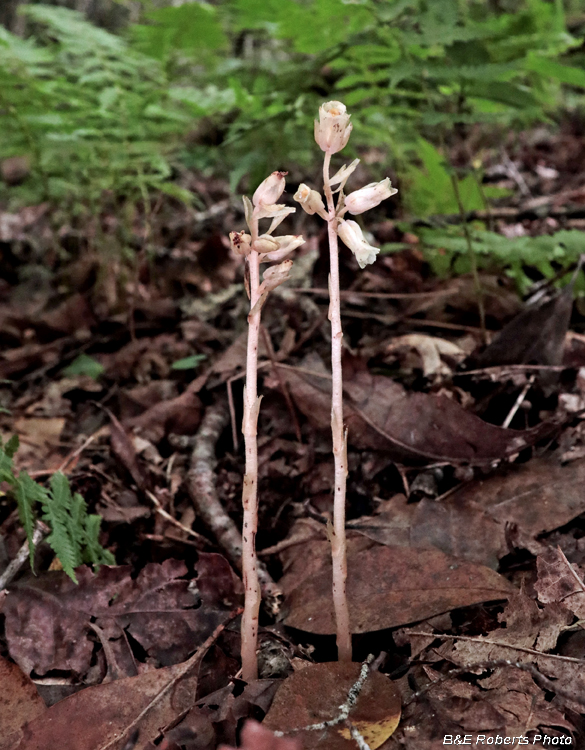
[333,129]
[310,200]
[240,243]
[352,235]
[285,244]
[369,196]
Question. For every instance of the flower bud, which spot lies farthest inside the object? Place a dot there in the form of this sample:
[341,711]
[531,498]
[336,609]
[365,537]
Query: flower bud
[352,235]
[285,244]
[240,243]
[369,196]
[333,129]
[265,244]
[275,276]
[310,200]
[270,190]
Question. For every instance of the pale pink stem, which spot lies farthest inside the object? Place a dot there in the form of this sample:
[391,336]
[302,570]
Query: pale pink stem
[338,543]
[250,487]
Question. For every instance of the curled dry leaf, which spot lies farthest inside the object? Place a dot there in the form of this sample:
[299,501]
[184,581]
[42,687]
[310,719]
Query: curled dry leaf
[381,415]
[47,617]
[429,349]
[560,582]
[104,716]
[386,586]
[316,694]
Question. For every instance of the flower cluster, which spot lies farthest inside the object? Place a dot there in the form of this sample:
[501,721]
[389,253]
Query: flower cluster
[332,132]
[264,205]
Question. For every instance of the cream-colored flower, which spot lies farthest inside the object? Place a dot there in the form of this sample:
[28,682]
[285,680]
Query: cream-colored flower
[369,196]
[265,244]
[352,235]
[285,244]
[310,200]
[333,129]
[269,191]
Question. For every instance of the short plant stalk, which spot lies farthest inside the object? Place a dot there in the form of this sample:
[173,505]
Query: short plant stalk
[257,249]
[338,541]
[250,488]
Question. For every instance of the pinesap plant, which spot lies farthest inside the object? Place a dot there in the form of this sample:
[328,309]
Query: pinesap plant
[257,248]
[332,132]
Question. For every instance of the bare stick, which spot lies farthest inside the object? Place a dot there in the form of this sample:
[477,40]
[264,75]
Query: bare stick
[338,542]
[22,555]
[201,483]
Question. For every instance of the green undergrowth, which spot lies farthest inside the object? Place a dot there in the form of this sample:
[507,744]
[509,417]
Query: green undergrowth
[97,111]
[74,533]
[521,258]
[92,115]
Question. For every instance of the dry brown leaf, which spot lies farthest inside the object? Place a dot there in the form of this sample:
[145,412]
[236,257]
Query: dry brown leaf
[559,581]
[123,448]
[429,349]
[315,694]
[47,617]
[386,586]
[19,703]
[180,415]
[533,498]
[102,717]
[381,415]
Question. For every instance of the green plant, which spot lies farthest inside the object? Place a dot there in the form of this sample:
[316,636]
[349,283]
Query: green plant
[410,68]
[447,251]
[74,534]
[92,114]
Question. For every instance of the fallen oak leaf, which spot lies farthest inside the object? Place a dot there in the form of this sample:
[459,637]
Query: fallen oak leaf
[47,616]
[531,498]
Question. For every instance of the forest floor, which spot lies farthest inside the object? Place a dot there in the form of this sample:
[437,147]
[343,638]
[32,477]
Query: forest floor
[465,508]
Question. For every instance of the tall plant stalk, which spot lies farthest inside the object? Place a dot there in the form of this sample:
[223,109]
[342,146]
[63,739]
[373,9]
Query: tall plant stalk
[332,132]
[338,433]
[250,485]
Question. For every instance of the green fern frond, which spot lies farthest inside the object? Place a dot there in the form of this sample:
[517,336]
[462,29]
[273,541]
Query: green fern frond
[28,493]
[93,550]
[57,513]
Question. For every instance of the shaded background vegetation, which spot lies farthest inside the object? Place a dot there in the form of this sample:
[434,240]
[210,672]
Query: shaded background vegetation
[105,104]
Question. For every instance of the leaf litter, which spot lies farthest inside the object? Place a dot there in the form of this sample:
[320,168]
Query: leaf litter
[448,577]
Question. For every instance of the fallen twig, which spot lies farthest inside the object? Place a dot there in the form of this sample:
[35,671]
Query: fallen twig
[203,492]
[40,532]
